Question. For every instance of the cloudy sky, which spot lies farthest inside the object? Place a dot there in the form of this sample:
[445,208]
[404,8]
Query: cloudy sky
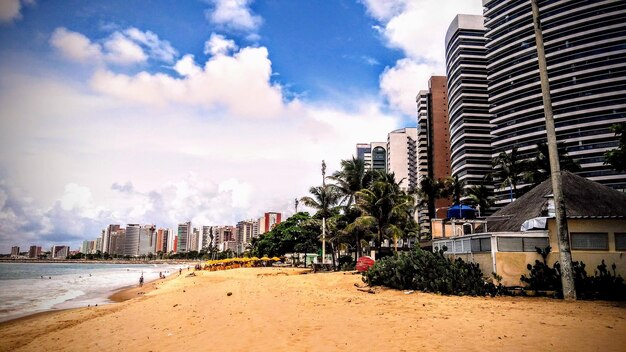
[133,111]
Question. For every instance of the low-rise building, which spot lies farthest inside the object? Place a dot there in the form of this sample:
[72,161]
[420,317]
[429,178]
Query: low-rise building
[506,242]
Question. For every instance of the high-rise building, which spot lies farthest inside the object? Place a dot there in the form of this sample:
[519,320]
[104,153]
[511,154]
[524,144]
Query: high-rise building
[364,152]
[161,241]
[86,247]
[184,234]
[374,155]
[34,252]
[15,251]
[106,237]
[245,232]
[271,219]
[139,240]
[468,109]
[585,51]
[194,238]
[402,156]
[433,143]
[116,242]
[59,252]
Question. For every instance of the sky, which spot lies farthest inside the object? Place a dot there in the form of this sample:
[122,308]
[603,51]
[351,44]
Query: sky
[214,111]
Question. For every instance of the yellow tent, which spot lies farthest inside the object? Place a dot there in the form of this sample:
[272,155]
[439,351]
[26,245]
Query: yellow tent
[265,258]
[276,259]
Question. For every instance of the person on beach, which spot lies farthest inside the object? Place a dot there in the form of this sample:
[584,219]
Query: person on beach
[141,280]
[180,272]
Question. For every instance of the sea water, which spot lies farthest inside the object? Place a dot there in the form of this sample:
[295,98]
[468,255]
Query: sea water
[27,288]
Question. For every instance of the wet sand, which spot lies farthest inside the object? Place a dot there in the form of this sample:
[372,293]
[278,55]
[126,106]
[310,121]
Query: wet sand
[273,309]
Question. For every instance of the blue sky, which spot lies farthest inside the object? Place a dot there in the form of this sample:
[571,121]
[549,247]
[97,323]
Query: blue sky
[211,111]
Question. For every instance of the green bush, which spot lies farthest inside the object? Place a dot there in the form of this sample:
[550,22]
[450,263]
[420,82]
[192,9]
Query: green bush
[430,272]
[605,284]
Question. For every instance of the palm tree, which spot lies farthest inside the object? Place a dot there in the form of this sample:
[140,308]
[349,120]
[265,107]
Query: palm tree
[452,186]
[324,200]
[539,168]
[429,190]
[351,178]
[617,157]
[480,195]
[509,169]
[384,205]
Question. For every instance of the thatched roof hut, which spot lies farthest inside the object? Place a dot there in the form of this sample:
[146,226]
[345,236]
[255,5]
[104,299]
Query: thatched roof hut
[583,199]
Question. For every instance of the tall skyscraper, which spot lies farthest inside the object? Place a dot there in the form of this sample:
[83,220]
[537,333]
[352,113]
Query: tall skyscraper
[374,155]
[402,156]
[15,251]
[34,252]
[245,231]
[139,240]
[433,143]
[163,241]
[585,51]
[468,109]
[184,232]
[271,219]
[59,252]
[106,237]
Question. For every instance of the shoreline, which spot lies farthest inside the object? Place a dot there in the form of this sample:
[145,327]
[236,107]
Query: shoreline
[119,295]
[281,309]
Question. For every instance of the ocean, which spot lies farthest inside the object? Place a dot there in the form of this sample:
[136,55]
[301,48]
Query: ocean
[27,288]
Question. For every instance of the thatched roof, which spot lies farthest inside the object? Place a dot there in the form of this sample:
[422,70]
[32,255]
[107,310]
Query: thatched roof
[583,199]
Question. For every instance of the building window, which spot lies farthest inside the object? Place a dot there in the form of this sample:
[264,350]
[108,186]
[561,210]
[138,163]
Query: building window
[521,244]
[481,245]
[620,241]
[590,241]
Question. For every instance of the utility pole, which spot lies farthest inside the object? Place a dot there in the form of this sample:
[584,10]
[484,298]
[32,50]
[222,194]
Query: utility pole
[296,202]
[324,200]
[567,277]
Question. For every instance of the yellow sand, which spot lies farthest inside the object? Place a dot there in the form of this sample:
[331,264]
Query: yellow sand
[279,310]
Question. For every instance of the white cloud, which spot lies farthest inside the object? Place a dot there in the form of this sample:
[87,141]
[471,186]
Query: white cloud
[409,25]
[10,10]
[401,83]
[126,47]
[383,10]
[239,83]
[159,49]
[121,50]
[75,46]
[233,14]
[219,45]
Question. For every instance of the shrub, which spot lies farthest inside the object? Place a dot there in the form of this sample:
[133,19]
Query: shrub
[605,284]
[346,263]
[429,272]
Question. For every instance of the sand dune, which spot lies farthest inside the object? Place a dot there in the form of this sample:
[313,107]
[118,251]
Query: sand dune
[278,310]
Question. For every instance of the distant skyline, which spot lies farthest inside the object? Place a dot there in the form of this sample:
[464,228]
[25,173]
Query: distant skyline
[210,111]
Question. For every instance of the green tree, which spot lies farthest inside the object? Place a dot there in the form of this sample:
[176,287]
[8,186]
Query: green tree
[538,169]
[617,157]
[452,187]
[384,205]
[480,195]
[350,179]
[509,169]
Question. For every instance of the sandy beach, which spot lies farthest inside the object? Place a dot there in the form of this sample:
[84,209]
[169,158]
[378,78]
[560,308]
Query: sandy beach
[273,309]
